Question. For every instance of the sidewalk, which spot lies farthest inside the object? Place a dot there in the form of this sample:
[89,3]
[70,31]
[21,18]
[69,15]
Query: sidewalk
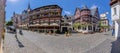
[76,43]
[34,42]
[19,44]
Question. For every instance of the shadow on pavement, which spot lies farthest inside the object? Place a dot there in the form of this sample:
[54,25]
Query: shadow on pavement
[116,46]
[19,43]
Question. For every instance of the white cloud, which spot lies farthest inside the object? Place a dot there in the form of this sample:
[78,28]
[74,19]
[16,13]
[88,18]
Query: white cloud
[67,12]
[107,12]
[94,6]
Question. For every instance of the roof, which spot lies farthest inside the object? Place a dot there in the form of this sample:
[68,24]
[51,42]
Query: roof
[84,7]
[68,17]
[24,11]
[94,12]
[47,6]
[114,1]
[77,9]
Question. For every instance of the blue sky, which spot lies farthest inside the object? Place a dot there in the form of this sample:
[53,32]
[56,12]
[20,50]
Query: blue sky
[68,6]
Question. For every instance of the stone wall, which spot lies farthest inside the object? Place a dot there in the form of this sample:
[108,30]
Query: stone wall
[2,20]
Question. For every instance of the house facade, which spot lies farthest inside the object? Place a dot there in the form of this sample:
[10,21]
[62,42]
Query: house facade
[66,23]
[86,20]
[104,23]
[25,18]
[16,19]
[115,15]
[45,18]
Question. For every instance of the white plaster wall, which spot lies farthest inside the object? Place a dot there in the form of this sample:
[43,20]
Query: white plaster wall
[87,31]
[84,31]
[116,29]
[117,16]
[79,30]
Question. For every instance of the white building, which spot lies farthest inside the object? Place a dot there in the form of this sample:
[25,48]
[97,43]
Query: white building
[66,23]
[115,14]
[104,22]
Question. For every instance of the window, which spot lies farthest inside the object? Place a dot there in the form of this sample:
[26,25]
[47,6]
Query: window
[51,21]
[79,27]
[115,12]
[89,27]
[104,22]
[57,21]
[46,14]
[84,28]
[38,16]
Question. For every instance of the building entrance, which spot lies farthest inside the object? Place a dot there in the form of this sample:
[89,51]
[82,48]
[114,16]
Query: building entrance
[64,29]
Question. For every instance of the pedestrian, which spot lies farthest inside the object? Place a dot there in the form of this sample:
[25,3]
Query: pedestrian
[20,31]
[113,31]
[15,31]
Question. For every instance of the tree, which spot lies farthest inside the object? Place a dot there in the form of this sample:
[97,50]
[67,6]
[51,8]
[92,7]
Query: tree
[76,25]
[9,23]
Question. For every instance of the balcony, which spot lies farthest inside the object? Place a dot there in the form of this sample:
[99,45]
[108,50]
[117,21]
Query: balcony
[44,24]
[54,24]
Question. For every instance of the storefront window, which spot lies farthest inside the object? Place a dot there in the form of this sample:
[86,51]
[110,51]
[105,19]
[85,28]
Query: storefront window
[84,28]
[79,27]
[89,27]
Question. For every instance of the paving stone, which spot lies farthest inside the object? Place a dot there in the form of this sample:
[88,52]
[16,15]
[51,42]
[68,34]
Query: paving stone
[44,43]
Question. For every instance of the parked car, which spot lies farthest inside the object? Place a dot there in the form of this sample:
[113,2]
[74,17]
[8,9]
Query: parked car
[11,29]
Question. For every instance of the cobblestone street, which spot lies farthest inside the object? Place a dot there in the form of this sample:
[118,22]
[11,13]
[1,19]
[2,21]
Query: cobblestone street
[33,42]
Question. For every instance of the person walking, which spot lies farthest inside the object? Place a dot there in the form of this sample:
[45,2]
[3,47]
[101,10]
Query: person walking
[20,31]
[113,31]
